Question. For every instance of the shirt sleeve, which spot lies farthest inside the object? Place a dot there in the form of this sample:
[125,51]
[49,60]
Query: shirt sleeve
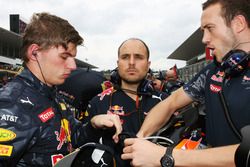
[195,88]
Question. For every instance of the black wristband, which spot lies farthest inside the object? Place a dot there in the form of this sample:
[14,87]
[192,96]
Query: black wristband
[169,150]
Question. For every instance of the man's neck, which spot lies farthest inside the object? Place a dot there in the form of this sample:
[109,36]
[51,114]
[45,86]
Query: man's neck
[130,89]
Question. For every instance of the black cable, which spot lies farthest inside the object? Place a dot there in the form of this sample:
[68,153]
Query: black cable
[228,116]
[41,70]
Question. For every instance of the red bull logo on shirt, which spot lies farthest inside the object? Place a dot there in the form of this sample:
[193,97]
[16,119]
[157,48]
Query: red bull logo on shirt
[105,92]
[116,110]
[63,136]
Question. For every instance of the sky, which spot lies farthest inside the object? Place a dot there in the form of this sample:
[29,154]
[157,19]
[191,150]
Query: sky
[104,24]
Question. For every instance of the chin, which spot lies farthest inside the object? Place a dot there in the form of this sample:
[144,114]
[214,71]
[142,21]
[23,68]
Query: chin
[59,82]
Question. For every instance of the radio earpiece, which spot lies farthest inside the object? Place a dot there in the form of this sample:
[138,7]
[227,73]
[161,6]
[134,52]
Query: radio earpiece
[34,53]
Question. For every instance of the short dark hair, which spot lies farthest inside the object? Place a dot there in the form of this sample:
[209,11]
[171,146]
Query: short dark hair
[231,8]
[137,39]
[48,30]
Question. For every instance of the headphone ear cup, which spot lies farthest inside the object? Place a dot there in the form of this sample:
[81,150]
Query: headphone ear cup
[145,87]
[115,77]
[235,62]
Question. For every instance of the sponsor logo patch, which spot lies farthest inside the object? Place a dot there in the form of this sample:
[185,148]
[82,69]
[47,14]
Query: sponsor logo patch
[10,118]
[217,78]
[215,88]
[55,158]
[26,101]
[5,150]
[63,107]
[246,78]
[63,136]
[6,135]
[46,115]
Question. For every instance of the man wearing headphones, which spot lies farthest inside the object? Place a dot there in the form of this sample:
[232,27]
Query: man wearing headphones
[36,126]
[226,26]
[132,96]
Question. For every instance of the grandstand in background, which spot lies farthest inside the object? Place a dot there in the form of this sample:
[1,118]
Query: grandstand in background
[10,42]
[195,53]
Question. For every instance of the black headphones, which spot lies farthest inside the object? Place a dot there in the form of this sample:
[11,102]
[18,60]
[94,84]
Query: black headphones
[235,62]
[115,77]
[145,87]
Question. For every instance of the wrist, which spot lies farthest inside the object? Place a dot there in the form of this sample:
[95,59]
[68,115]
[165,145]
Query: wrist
[168,160]
[140,134]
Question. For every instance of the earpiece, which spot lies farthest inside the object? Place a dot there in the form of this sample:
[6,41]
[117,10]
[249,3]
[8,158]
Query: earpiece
[235,62]
[34,53]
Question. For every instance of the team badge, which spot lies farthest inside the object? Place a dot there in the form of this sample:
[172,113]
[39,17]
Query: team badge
[6,135]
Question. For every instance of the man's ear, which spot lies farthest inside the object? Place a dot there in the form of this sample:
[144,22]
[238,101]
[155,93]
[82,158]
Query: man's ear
[149,63]
[239,23]
[32,52]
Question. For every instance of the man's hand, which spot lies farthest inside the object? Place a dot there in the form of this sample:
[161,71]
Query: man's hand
[108,121]
[142,153]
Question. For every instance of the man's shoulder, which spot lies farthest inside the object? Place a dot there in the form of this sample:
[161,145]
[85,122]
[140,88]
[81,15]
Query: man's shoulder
[11,91]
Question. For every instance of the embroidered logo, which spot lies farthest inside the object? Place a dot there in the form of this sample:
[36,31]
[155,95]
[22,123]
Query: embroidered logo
[246,78]
[46,115]
[6,135]
[246,81]
[10,118]
[105,92]
[157,97]
[116,110]
[215,88]
[218,77]
[26,101]
[5,150]
[63,136]
[55,158]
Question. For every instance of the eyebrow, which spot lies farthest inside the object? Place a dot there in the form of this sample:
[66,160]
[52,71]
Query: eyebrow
[68,53]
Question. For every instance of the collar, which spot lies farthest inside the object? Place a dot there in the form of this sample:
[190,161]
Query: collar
[31,80]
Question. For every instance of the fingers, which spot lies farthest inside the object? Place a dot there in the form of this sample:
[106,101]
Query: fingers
[129,141]
[127,150]
[108,121]
[117,124]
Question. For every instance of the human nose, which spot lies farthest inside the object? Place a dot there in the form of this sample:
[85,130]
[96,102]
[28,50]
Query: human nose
[131,60]
[71,63]
[206,37]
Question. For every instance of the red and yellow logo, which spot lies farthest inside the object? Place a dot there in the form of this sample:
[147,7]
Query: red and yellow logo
[6,135]
[63,136]
[5,150]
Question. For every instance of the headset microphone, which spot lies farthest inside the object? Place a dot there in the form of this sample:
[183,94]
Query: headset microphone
[235,61]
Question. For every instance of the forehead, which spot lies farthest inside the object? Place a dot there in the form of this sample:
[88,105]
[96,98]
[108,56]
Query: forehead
[133,47]
[71,49]
[211,15]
